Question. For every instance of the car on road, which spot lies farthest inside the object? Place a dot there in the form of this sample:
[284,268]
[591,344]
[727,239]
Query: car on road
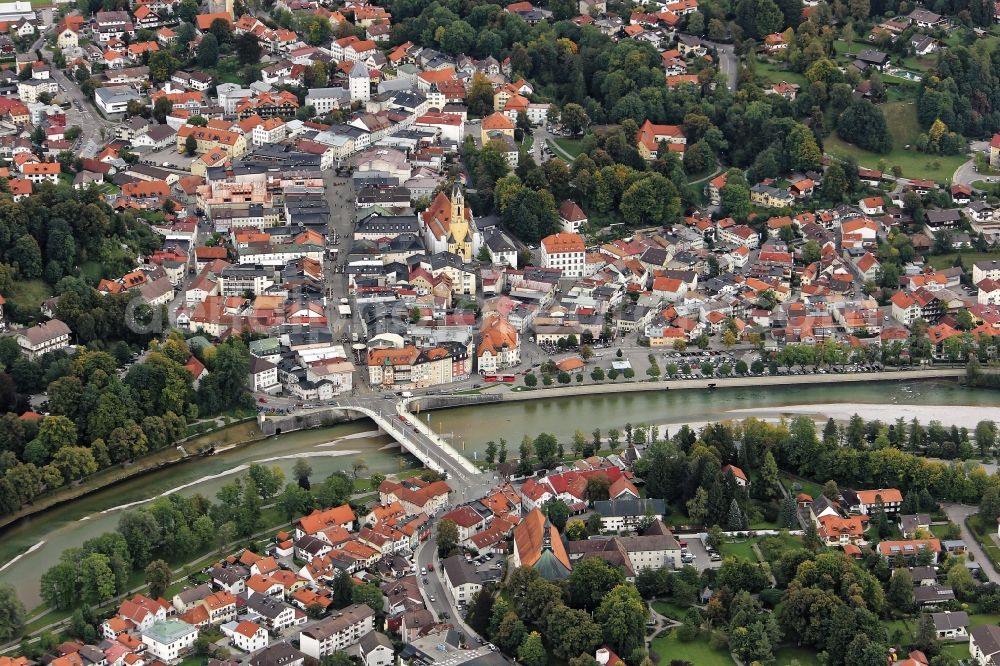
[433,598]
[262,401]
[423,571]
[425,581]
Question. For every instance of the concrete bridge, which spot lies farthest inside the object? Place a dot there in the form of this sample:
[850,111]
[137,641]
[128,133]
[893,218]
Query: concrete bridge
[393,418]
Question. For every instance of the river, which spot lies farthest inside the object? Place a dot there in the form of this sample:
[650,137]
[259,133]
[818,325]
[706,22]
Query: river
[336,448]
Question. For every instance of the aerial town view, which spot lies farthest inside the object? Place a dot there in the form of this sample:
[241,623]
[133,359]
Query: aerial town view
[480,332]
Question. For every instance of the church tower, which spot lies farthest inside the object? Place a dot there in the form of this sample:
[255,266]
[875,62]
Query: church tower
[461,239]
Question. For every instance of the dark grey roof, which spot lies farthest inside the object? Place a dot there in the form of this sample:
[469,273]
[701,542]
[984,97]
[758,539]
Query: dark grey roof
[932,594]
[945,621]
[460,572]
[987,638]
[277,654]
[629,507]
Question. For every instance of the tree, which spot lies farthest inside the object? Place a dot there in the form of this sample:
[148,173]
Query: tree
[622,617]
[295,501]
[247,49]
[589,582]
[302,470]
[574,118]
[447,538]
[74,462]
[142,534]
[769,483]
[545,446]
[803,153]
[926,639]
[737,519]
[190,145]
[697,507]
[899,591]
[571,632]
[989,506]
[557,511]
[532,652]
[369,594]
[811,539]
[864,125]
[97,580]
[576,530]
[759,17]
[11,614]
[59,585]
[651,200]
[480,96]
[208,51]
[788,516]
[158,577]
[735,195]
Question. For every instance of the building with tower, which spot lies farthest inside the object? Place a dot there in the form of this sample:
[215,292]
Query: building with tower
[447,226]
[359,83]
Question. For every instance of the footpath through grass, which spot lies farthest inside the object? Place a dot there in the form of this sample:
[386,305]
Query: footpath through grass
[904,127]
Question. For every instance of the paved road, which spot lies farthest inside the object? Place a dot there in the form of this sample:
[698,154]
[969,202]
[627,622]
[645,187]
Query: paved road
[94,128]
[729,64]
[967,174]
[957,513]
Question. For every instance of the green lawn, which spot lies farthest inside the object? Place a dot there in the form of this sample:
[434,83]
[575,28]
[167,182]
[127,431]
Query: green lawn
[529,141]
[903,125]
[776,73]
[968,258]
[940,531]
[786,655]
[773,547]
[742,549]
[29,294]
[810,488]
[572,147]
[697,651]
[671,610]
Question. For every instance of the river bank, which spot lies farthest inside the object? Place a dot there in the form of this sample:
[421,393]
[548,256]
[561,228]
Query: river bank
[164,459]
[469,429]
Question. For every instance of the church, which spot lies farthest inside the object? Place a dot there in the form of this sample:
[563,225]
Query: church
[447,226]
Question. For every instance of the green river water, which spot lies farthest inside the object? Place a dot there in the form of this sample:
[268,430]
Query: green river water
[471,427]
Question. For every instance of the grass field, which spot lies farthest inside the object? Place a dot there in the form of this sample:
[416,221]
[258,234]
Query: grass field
[774,547]
[29,294]
[775,73]
[808,487]
[572,147]
[697,651]
[671,610]
[742,549]
[787,655]
[968,258]
[529,141]
[903,125]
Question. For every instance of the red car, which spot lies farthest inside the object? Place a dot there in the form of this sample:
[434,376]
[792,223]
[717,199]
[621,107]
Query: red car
[262,400]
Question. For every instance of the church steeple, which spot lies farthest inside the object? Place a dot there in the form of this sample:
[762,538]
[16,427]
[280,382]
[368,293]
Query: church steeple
[457,204]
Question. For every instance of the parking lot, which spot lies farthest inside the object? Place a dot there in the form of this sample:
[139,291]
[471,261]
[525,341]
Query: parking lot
[696,553]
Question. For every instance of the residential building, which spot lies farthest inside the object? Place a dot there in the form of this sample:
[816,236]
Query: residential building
[984,644]
[169,640]
[461,579]
[650,136]
[565,251]
[620,515]
[338,632]
[44,338]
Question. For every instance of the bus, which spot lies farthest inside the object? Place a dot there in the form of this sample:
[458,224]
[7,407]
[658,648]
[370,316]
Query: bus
[489,379]
[509,379]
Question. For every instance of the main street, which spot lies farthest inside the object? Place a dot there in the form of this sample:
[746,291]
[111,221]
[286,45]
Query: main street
[93,127]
